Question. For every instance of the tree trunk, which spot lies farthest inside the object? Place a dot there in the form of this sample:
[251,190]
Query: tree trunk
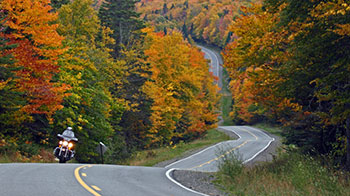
[348,143]
[120,33]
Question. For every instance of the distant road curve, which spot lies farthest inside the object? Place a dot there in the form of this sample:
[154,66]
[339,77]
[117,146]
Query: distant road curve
[215,62]
[250,144]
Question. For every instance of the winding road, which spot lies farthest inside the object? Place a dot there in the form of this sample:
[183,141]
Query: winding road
[109,180]
[215,62]
[78,180]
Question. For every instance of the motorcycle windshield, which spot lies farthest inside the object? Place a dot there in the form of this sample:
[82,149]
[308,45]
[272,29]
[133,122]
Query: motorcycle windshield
[69,135]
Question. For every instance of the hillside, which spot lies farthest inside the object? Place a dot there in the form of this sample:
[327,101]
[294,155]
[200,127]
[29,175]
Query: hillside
[206,21]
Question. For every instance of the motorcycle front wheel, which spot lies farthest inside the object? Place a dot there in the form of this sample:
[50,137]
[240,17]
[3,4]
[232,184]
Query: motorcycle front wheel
[62,160]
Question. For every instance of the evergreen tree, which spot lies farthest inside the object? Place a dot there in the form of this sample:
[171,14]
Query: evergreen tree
[8,98]
[121,17]
[4,58]
[135,121]
[30,94]
[56,4]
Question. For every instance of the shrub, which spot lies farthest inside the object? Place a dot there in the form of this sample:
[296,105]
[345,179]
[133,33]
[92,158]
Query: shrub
[291,173]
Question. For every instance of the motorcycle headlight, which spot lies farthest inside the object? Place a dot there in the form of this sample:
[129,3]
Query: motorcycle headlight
[70,145]
[65,143]
[60,142]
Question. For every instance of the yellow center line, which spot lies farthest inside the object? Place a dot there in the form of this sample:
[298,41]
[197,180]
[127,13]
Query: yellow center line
[227,152]
[256,138]
[96,188]
[82,183]
[83,174]
[221,156]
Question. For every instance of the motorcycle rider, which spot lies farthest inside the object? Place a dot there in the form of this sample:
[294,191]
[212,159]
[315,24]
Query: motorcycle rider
[67,135]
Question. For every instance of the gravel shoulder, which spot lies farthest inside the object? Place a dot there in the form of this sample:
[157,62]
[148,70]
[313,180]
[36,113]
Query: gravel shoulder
[204,181]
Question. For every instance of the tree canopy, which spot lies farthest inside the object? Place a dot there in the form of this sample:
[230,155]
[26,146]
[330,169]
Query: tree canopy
[289,64]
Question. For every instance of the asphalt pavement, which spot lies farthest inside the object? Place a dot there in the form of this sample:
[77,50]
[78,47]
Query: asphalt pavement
[80,180]
[251,142]
[215,62]
[17,179]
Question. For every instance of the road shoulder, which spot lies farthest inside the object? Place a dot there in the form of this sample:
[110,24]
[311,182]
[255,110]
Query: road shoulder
[204,181]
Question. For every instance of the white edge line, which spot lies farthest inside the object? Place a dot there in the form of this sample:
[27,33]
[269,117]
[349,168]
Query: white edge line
[271,140]
[218,62]
[239,137]
[195,154]
[179,184]
[252,128]
[232,130]
[216,58]
[193,191]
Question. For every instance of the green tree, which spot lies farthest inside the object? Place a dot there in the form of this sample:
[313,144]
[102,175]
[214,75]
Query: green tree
[301,60]
[56,4]
[135,120]
[89,69]
[318,73]
[32,92]
[121,17]
[8,98]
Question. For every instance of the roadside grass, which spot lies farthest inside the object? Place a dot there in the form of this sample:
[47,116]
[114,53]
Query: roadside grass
[154,156]
[226,104]
[5,158]
[275,130]
[225,82]
[226,100]
[290,174]
[44,156]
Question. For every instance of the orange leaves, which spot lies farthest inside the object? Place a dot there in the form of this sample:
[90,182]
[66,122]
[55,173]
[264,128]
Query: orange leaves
[253,60]
[36,54]
[204,20]
[32,18]
[180,86]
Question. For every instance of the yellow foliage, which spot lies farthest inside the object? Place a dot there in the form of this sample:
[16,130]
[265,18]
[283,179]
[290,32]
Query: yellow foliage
[180,77]
[251,61]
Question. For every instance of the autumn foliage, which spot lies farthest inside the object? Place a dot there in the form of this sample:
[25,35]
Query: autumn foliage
[207,21]
[38,47]
[183,92]
[71,63]
[289,65]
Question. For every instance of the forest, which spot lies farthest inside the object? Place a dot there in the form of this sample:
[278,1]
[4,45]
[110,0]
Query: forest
[102,71]
[198,20]
[288,61]
[289,64]
[134,80]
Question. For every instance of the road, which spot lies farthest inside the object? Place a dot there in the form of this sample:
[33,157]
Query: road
[78,180]
[250,143]
[108,180]
[215,62]
[82,180]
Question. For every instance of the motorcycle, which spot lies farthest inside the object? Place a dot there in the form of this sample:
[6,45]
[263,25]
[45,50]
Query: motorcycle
[65,150]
